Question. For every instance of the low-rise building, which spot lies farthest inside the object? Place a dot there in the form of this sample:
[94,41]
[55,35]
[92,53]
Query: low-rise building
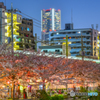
[26,33]
[78,39]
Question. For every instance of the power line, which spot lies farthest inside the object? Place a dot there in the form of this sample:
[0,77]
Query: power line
[33,22]
[30,17]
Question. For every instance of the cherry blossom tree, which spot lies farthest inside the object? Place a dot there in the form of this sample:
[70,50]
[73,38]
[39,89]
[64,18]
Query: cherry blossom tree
[45,67]
[86,71]
[36,65]
[12,65]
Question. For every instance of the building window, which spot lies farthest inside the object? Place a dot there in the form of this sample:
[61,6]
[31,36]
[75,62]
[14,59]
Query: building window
[88,42]
[57,50]
[45,51]
[95,48]
[31,24]
[87,37]
[29,41]
[94,38]
[88,53]
[23,22]
[28,29]
[22,28]
[19,39]
[26,41]
[19,18]
[28,23]
[69,37]
[95,54]
[88,48]
[23,40]
[94,43]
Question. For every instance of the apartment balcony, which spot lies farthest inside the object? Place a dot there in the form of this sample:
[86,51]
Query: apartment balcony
[87,50]
[69,35]
[24,36]
[79,45]
[75,50]
[71,40]
[74,54]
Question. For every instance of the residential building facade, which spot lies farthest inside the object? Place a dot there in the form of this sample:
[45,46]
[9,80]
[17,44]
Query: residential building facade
[76,37]
[22,30]
[17,19]
[50,21]
[26,34]
[2,23]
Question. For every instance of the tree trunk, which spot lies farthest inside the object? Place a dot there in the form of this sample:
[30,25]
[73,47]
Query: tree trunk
[13,90]
[43,84]
[66,87]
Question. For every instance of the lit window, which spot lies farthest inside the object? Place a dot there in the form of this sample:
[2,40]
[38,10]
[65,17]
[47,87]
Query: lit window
[64,38]
[6,41]
[5,20]
[19,39]
[28,29]
[19,18]
[22,28]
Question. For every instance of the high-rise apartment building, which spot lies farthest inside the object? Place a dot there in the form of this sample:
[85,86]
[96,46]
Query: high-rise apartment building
[50,21]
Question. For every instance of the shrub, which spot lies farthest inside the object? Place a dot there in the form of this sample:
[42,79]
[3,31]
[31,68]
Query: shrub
[62,91]
[57,97]
[82,89]
[44,95]
[65,96]
[65,93]
[48,92]
[53,92]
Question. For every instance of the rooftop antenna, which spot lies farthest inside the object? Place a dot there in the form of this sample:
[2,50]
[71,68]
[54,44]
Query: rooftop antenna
[71,16]
[92,26]
[96,26]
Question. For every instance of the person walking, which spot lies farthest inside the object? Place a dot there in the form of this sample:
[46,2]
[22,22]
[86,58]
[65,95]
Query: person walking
[24,94]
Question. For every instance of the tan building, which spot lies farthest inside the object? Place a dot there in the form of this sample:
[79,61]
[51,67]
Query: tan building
[26,37]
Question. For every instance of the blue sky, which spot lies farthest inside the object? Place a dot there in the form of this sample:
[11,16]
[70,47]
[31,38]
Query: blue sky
[85,12]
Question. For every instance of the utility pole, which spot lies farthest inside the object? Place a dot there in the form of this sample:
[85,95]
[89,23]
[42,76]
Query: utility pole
[12,45]
[66,46]
[36,42]
[12,25]
[82,47]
